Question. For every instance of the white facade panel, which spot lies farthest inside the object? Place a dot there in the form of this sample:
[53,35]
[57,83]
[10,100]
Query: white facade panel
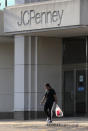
[19,45]
[19,79]
[83,12]
[49,67]
[6,103]
[6,76]
[19,73]
[42,15]
[1,22]
[19,102]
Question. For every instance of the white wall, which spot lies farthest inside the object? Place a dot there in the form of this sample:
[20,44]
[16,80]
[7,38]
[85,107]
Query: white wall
[84,12]
[43,63]
[19,43]
[49,67]
[1,22]
[6,74]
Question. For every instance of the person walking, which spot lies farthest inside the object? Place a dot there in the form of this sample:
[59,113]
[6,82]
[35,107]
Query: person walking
[50,100]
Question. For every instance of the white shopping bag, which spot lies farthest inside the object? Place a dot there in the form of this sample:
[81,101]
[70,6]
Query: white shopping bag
[58,111]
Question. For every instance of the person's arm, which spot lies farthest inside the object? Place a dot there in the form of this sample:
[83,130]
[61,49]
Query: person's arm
[55,97]
[43,100]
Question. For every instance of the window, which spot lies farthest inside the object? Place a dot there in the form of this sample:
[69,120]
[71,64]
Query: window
[3,3]
[29,1]
[10,2]
[74,51]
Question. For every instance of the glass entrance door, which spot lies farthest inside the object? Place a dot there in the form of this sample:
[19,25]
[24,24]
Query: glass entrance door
[75,76]
[69,93]
[75,92]
[81,92]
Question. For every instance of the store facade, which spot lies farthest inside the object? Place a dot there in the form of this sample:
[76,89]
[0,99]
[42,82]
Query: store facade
[44,42]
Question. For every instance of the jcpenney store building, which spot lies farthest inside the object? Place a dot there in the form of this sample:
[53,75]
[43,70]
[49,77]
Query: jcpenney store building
[44,42]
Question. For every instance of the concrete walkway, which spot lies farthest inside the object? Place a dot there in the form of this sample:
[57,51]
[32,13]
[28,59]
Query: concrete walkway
[60,122]
[71,122]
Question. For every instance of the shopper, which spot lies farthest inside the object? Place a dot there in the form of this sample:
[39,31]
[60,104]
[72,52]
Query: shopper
[50,100]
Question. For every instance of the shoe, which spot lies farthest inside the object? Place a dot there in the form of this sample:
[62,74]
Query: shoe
[49,121]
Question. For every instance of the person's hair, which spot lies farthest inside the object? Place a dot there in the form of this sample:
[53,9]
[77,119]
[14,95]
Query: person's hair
[48,85]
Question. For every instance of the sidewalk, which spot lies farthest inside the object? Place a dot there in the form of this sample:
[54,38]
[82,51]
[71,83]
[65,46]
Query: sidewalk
[71,122]
[60,122]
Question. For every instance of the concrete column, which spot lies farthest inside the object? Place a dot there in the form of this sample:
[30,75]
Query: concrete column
[28,72]
[25,77]
[30,77]
[19,77]
[34,73]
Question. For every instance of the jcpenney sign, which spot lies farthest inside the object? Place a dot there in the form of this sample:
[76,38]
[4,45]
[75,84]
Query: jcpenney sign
[41,15]
[29,17]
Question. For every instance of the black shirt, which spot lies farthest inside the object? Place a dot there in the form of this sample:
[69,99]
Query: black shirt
[50,95]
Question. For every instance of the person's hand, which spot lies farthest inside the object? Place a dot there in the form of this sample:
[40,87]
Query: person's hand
[41,103]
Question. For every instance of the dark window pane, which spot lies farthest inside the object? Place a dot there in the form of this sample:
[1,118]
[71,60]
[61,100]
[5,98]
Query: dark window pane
[74,51]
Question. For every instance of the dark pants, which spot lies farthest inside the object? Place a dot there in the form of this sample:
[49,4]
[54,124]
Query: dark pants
[47,109]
